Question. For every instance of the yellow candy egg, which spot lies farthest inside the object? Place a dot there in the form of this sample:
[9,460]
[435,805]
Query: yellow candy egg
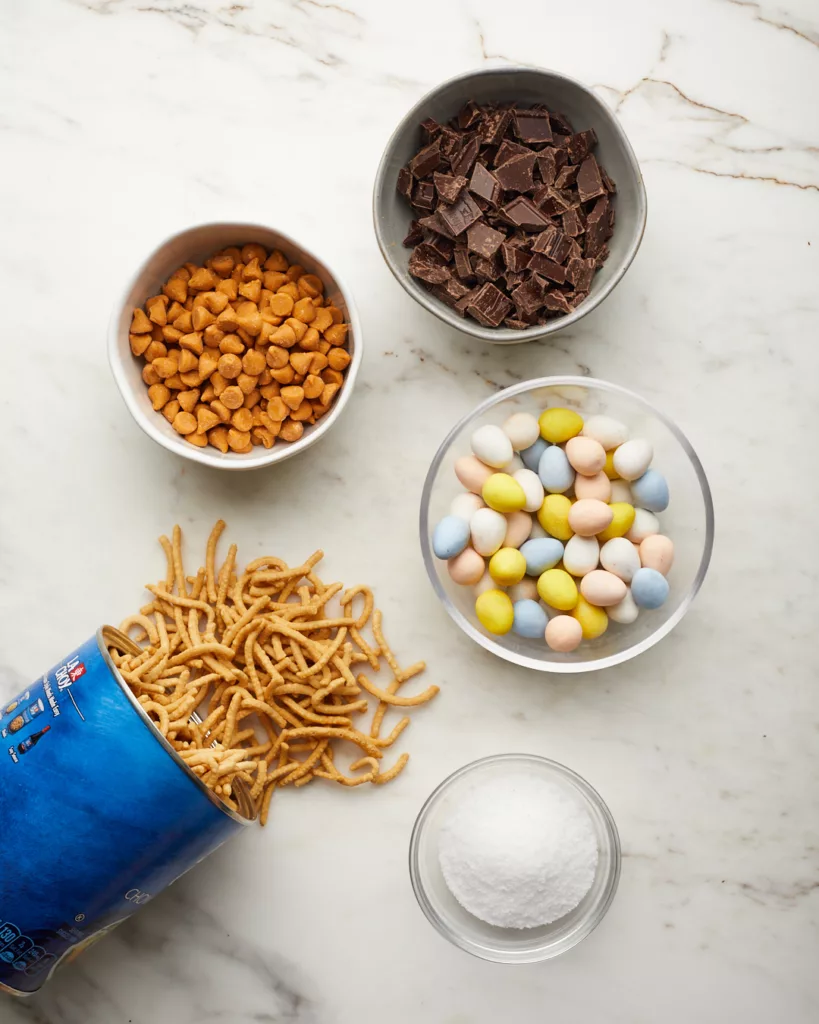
[621,522]
[593,621]
[503,493]
[495,612]
[609,469]
[558,589]
[507,567]
[553,516]
[559,425]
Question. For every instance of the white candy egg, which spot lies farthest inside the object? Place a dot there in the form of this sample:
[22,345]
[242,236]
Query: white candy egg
[620,491]
[608,431]
[532,488]
[522,430]
[581,555]
[488,529]
[492,446]
[645,524]
[464,506]
[620,556]
[633,458]
[485,583]
[625,611]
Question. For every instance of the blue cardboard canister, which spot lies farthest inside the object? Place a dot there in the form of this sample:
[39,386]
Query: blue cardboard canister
[98,814]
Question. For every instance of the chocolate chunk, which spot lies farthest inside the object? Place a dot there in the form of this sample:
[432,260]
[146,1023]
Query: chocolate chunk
[415,235]
[580,273]
[597,226]
[547,165]
[463,265]
[461,163]
[450,291]
[460,215]
[429,129]
[575,298]
[567,176]
[484,240]
[580,145]
[513,279]
[516,325]
[556,301]
[542,265]
[489,305]
[507,150]
[450,141]
[461,304]
[559,123]
[552,243]
[404,184]
[515,257]
[523,213]
[434,223]
[573,223]
[528,297]
[448,187]
[469,115]
[493,127]
[442,246]
[575,252]
[602,256]
[427,161]
[485,185]
[555,200]
[589,182]
[488,269]
[424,196]
[607,182]
[516,174]
[532,126]
[426,265]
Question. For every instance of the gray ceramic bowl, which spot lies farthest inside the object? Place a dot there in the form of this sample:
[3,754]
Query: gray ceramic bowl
[392,215]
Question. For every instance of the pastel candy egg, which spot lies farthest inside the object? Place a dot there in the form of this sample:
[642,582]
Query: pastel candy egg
[526,590]
[537,530]
[649,588]
[619,556]
[495,612]
[529,619]
[645,524]
[554,470]
[503,493]
[586,455]
[657,552]
[507,566]
[467,568]
[466,505]
[522,430]
[558,589]
[589,516]
[484,583]
[610,433]
[622,517]
[621,492]
[597,486]
[625,612]
[602,588]
[450,537]
[541,554]
[531,455]
[492,446]
[514,464]
[518,528]
[488,528]
[581,555]
[608,468]
[558,425]
[563,633]
[554,516]
[593,620]
[651,491]
[532,488]
[472,473]
[632,459]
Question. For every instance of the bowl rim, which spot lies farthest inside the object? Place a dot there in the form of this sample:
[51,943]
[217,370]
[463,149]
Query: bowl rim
[267,457]
[524,660]
[598,912]
[464,324]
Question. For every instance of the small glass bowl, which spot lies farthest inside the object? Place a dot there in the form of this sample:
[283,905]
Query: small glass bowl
[510,945]
[688,520]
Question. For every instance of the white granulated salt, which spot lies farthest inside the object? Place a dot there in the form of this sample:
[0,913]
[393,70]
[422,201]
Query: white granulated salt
[519,852]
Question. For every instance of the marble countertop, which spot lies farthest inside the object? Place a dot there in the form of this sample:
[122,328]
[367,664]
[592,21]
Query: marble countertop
[123,120]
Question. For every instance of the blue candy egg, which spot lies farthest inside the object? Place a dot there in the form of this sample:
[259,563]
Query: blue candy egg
[541,553]
[554,470]
[450,537]
[650,491]
[649,588]
[529,620]
[531,455]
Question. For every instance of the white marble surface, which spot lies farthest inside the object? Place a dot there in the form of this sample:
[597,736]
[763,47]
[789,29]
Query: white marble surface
[122,120]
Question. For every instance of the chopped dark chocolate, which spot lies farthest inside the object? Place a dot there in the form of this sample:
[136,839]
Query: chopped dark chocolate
[555,201]
[513,279]
[567,176]
[460,215]
[424,196]
[448,186]
[489,305]
[516,325]
[488,269]
[469,115]
[589,182]
[450,142]
[573,223]
[559,123]
[427,161]
[427,265]
[507,150]
[553,243]
[442,246]
[494,125]
[555,300]
[450,291]
[523,213]
[515,257]
[575,252]
[528,297]
[547,165]
[532,126]
[484,240]
[404,184]
[540,264]
[607,182]
[429,129]
[434,223]
[415,235]
[580,145]
[602,256]
[516,174]
[485,185]
[461,304]
[462,161]
[463,265]
[597,226]
[580,273]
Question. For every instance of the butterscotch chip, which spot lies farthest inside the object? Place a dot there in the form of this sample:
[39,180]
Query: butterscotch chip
[205,419]
[202,318]
[329,393]
[252,271]
[238,439]
[165,366]
[187,362]
[176,288]
[291,289]
[330,376]
[292,397]
[298,328]
[295,271]
[200,440]
[159,395]
[188,399]
[202,280]
[270,391]
[242,419]
[231,344]
[208,362]
[184,322]
[140,324]
[157,307]
[208,394]
[213,335]
[336,334]
[273,280]
[311,340]
[291,430]
[170,410]
[232,397]
[230,366]
[218,438]
[324,347]
[284,376]
[338,358]
[222,264]
[276,409]
[228,320]
[191,379]
[313,386]
[221,411]
[281,304]
[175,382]
[184,423]
[192,342]
[150,376]
[155,350]
[276,261]
[246,382]
[171,334]
[300,361]
[251,290]
[264,378]
[318,362]
[252,398]
[322,320]
[303,412]
[284,336]
[266,421]
[214,302]
[218,382]
[228,288]
[139,343]
[260,435]
[310,285]
[253,363]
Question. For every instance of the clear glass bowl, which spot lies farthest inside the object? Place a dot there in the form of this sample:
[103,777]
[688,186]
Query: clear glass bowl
[688,520]
[510,945]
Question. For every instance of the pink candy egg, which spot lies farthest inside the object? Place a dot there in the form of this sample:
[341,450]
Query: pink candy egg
[518,530]
[597,487]
[466,568]
[585,455]
[657,552]
[472,473]
[563,633]
[602,588]
[589,516]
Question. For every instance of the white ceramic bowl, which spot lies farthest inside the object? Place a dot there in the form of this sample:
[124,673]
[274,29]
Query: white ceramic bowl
[197,244]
